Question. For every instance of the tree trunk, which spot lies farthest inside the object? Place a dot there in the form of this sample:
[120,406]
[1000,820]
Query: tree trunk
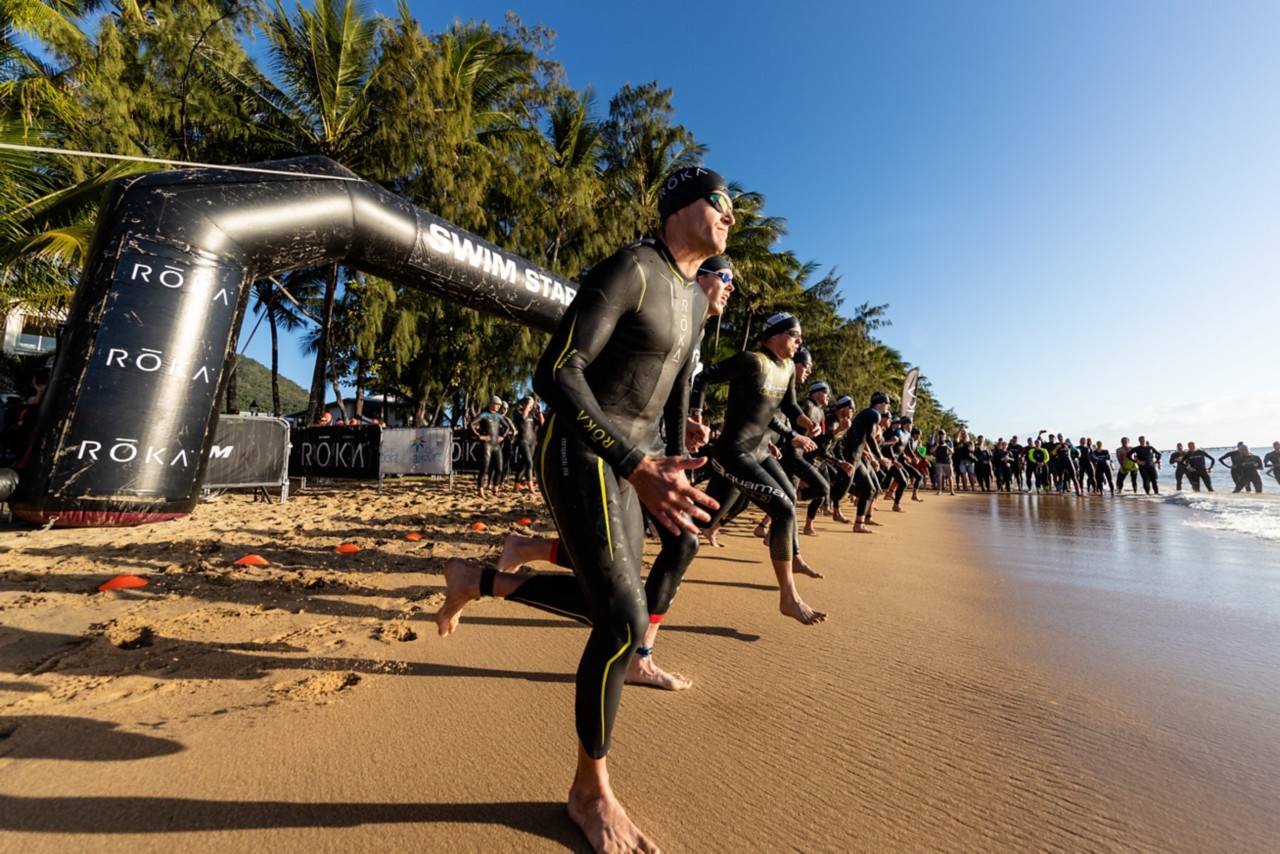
[275,361]
[315,403]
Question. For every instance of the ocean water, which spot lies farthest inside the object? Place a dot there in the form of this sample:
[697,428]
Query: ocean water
[1174,599]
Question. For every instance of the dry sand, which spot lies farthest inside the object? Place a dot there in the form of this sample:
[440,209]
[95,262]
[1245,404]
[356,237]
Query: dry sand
[309,704]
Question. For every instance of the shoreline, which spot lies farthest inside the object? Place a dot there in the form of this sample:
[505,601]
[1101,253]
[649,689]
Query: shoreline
[287,706]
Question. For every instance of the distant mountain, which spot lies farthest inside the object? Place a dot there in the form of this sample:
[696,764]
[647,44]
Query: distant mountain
[253,384]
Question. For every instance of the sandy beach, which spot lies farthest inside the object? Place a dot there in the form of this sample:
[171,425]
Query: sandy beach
[309,704]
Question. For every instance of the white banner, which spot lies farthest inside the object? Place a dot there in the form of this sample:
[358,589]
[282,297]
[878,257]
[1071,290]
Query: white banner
[417,450]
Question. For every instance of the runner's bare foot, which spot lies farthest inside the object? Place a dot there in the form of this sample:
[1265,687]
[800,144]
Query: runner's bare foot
[644,672]
[798,610]
[711,534]
[513,553]
[859,528]
[914,498]
[898,509]
[798,565]
[604,822]
[840,517]
[462,585]
[762,530]
[875,524]
[808,529]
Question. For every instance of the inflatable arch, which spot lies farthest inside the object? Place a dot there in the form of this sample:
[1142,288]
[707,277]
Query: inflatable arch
[126,425]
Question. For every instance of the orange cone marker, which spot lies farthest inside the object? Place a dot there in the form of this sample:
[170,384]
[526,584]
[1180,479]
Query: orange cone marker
[121,582]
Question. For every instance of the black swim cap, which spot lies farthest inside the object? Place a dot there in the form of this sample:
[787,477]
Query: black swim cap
[803,357]
[683,187]
[780,322]
[879,397]
[715,264]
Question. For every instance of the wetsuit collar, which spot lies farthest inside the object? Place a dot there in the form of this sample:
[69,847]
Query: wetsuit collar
[671,261]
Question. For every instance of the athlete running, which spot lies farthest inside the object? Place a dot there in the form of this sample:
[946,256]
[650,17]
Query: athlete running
[862,450]
[761,386]
[617,364]
[1197,470]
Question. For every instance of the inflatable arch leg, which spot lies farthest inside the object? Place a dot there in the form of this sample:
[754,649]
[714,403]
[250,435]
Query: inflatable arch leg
[125,429]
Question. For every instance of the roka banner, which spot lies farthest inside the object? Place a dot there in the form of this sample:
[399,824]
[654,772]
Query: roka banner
[341,451]
[249,450]
[417,450]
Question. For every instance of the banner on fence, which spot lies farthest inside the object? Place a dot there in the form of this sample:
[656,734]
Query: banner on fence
[248,451]
[341,451]
[417,450]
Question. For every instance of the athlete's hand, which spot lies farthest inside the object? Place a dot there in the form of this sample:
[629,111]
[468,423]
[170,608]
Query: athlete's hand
[662,486]
[696,434]
[845,467]
[804,443]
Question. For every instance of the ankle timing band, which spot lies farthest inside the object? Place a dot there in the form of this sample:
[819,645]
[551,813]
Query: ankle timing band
[644,651]
[487,575]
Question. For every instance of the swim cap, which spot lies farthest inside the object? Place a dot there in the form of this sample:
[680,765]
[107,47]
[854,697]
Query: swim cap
[844,401]
[683,187]
[494,399]
[780,322]
[819,386]
[803,357]
[716,263]
[879,397]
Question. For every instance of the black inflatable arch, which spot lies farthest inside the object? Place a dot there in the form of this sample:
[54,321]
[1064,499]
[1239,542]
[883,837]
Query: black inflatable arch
[126,426]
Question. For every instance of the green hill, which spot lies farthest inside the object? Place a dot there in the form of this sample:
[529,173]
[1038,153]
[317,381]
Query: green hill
[253,383]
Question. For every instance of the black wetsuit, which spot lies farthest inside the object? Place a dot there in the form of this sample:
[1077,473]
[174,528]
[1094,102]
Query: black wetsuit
[617,364]
[812,467]
[1017,462]
[982,467]
[1147,459]
[1272,459]
[1102,469]
[526,441]
[1245,470]
[1178,459]
[1197,470]
[1003,469]
[760,386]
[1038,468]
[492,428]
[858,443]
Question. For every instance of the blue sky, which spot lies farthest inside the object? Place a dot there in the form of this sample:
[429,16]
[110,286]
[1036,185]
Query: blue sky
[1072,209]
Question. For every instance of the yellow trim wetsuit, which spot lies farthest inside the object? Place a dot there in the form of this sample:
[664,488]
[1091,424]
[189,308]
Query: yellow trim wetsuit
[760,385]
[617,365]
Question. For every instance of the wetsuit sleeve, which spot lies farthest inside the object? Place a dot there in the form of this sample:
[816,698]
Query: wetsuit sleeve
[1223,459]
[780,425]
[613,288]
[790,406]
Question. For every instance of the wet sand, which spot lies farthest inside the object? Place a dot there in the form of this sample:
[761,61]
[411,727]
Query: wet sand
[308,704]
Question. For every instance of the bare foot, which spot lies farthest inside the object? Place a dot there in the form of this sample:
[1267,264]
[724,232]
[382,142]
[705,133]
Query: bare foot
[873,524]
[808,530]
[604,822]
[513,552]
[644,672]
[798,610]
[859,528]
[914,498]
[840,517]
[897,509]
[762,530]
[798,565]
[711,534]
[462,585]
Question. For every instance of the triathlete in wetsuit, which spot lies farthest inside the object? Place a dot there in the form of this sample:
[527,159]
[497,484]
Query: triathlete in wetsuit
[1000,464]
[831,446]
[761,386]
[1148,460]
[527,421]
[1195,460]
[618,362]
[813,485]
[1178,459]
[1038,467]
[1245,467]
[862,450]
[1084,465]
[1102,467]
[492,428]
[1017,461]
[1272,460]
[1128,468]
[982,464]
